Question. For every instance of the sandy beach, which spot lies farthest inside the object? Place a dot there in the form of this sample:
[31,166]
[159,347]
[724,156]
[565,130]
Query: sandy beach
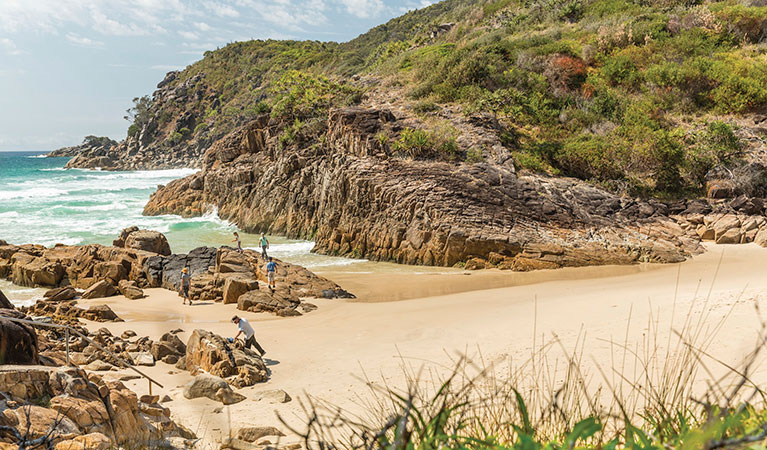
[444,314]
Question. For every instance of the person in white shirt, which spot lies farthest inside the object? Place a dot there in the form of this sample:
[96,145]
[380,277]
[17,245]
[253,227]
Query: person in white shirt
[249,332]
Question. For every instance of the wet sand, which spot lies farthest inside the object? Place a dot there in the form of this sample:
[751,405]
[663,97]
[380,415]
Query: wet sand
[325,353]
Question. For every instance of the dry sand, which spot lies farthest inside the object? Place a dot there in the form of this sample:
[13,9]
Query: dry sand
[325,353]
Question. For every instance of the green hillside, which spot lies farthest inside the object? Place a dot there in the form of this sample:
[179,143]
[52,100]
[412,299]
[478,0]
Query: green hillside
[635,95]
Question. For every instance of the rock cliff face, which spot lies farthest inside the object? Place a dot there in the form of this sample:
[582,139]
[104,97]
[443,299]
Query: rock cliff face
[356,198]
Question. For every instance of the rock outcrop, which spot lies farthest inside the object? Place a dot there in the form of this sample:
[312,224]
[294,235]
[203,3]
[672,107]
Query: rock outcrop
[356,198]
[217,274]
[215,355]
[83,409]
[91,144]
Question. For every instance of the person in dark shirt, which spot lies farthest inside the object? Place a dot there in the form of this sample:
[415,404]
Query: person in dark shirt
[185,282]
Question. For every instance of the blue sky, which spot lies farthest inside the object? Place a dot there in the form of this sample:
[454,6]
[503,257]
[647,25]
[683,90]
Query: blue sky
[69,68]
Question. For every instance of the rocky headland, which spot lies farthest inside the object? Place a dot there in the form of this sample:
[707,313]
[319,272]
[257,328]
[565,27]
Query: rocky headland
[423,144]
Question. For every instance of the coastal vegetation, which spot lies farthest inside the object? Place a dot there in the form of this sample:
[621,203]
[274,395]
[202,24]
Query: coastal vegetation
[640,97]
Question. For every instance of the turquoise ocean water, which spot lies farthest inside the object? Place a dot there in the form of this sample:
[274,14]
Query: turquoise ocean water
[43,203]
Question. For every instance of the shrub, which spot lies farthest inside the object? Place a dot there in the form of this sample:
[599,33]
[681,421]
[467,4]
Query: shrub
[474,155]
[419,144]
[175,137]
[200,127]
[424,107]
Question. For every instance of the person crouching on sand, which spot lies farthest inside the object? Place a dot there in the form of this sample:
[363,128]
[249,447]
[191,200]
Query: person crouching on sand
[271,271]
[185,282]
[249,332]
[237,240]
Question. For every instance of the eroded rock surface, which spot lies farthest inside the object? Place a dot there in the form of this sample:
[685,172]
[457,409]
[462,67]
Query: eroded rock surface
[83,408]
[356,199]
[213,354]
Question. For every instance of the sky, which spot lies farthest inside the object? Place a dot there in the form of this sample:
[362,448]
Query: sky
[70,68]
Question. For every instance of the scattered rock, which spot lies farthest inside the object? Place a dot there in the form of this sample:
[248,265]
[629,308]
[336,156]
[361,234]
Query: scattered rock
[100,289]
[61,294]
[98,366]
[272,396]
[101,313]
[142,358]
[127,334]
[252,434]
[212,387]
[130,289]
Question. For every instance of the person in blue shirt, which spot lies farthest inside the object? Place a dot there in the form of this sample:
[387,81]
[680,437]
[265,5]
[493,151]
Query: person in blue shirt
[271,270]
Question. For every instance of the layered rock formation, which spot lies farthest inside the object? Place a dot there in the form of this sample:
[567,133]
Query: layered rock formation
[355,197]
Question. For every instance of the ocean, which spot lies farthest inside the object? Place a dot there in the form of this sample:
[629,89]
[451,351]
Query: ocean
[43,203]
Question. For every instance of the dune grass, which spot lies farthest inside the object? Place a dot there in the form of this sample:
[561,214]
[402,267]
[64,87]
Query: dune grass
[665,392]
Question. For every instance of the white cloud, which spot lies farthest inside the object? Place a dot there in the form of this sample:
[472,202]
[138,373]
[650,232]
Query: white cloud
[363,8]
[292,15]
[202,26]
[9,47]
[190,35]
[82,41]
[221,9]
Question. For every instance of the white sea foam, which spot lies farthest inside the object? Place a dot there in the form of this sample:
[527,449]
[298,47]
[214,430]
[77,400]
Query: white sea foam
[39,192]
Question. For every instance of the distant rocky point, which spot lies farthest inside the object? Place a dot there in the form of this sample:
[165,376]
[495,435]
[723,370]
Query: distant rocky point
[91,144]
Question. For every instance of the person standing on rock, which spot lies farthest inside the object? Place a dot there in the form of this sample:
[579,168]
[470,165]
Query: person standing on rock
[249,332]
[264,245]
[271,271]
[238,241]
[185,282]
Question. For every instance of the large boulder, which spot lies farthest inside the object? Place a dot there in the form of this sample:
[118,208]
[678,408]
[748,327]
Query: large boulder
[234,287]
[165,271]
[263,301]
[146,240]
[100,289]
[213,354]
[130,290]
[212,387]
[168,345]
[18,341]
